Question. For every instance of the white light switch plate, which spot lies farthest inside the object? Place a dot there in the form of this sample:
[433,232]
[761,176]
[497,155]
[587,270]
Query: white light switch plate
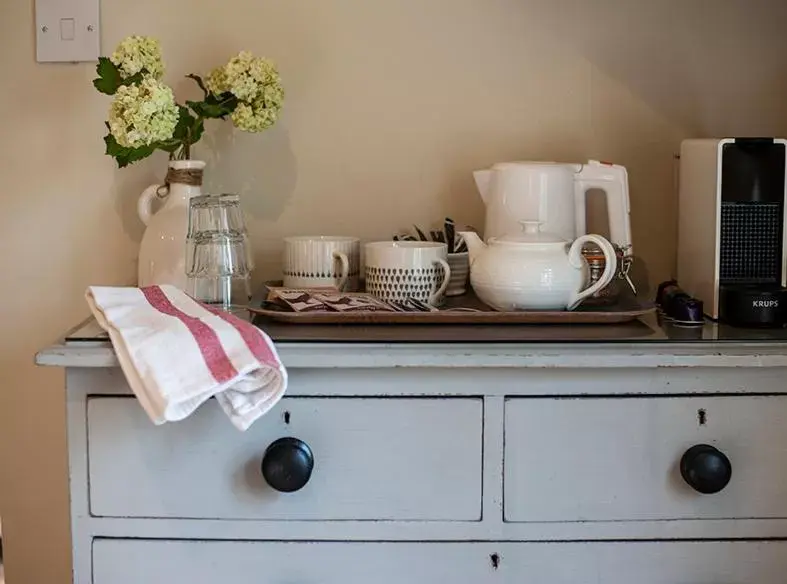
[67,31]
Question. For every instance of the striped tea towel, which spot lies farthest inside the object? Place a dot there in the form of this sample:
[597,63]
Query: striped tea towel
[177,353]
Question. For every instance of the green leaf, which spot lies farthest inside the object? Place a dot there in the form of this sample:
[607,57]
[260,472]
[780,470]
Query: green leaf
[207,110]
[109,78]
[226,99]
[214,106]
[113,148]
[185,123]
[199,82]
[170,145]
[134,79]
[125,156]
[196,131]
[188,130]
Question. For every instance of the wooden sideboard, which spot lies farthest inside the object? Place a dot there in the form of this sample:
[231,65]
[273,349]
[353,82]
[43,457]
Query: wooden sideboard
[649,461]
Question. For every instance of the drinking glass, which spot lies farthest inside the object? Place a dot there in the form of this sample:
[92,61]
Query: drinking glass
[218,252]
[216,214]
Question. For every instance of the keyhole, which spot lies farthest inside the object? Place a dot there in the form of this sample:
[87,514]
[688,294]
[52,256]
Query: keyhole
[702,417]
[495,560]
[286,417]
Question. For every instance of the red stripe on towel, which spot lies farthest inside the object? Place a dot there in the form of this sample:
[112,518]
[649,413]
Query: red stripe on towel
[207,340]
[250,334]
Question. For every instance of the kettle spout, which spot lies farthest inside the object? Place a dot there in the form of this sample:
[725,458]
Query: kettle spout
[475,245]
[482,180]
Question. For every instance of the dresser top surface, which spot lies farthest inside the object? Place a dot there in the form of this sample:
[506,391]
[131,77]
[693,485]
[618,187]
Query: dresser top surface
[646,342]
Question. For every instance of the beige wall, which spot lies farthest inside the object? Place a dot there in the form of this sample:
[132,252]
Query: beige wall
[391,104]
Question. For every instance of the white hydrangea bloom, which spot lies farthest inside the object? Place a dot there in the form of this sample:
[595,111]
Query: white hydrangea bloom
[257,85]
[136,53]
[143,114]
[253,117]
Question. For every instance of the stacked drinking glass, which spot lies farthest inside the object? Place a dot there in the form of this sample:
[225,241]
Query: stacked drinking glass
[218,254]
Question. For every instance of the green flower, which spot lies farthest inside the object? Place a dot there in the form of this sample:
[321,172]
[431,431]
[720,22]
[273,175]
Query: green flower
[136,53]
[256,83]
[143,114]
[253,117]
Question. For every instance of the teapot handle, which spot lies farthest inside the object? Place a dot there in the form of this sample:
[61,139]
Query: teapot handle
[576,259]
[145,203]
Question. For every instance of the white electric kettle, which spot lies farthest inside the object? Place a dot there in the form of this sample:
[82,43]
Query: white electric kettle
[553,194]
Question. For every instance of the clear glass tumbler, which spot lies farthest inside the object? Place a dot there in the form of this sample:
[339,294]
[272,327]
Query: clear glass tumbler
[218,253]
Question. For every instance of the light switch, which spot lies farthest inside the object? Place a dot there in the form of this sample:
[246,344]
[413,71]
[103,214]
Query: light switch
[67,31]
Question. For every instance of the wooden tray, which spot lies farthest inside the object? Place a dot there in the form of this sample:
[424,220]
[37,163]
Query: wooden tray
[451,313]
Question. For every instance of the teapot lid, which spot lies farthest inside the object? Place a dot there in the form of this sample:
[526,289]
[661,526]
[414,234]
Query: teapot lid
[531,233]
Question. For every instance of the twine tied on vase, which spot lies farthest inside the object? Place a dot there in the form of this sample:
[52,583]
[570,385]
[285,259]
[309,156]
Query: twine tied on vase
[186,176]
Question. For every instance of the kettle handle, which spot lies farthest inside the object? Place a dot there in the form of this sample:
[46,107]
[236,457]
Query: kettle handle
[576,259]
[613,180]
[145,203]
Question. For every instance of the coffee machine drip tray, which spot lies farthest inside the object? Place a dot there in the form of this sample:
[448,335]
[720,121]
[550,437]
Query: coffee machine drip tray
[753,305]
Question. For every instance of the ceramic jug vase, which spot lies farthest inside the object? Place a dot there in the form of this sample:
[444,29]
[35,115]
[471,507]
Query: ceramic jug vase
[162,253]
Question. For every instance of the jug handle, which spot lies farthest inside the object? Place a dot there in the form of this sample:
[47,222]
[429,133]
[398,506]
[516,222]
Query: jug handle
[576,259]
[613,180]
[145,203]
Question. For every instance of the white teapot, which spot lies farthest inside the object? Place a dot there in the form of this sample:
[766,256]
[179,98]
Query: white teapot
[534,270]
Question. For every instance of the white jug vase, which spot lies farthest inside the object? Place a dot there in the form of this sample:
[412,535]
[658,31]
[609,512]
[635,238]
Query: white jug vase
[162,253]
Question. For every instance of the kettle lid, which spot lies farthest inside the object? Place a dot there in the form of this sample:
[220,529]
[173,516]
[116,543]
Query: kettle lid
[531,233]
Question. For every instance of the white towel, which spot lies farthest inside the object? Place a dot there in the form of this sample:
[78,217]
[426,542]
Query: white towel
[177,353]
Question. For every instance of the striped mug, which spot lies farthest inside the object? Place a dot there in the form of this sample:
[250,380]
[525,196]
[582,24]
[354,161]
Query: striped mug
[322,261]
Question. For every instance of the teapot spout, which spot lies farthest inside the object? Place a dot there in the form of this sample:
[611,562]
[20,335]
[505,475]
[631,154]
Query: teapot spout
[482,180]
[475,245]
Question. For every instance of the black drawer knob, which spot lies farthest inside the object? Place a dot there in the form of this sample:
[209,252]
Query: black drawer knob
[287,464]
[706,469]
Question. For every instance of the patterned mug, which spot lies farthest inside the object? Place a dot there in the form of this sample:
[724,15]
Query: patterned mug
[398,270]
[322,261]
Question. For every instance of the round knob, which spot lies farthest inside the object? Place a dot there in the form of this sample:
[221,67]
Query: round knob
[287,464]
[705,468]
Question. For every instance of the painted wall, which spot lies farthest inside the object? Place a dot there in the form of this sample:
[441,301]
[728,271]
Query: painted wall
[390,105]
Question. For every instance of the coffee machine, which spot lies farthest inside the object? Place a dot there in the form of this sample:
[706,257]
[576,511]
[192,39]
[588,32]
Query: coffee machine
[731,228]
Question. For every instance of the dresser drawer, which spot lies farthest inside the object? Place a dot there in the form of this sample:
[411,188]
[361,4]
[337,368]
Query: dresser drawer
[388,459]
[618,459]
[164,562]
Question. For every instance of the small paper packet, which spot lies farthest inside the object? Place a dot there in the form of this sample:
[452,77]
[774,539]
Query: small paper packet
[298,300]
[347,302]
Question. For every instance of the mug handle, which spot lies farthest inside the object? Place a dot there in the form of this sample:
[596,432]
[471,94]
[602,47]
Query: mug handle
[345,273]
[575,257]
[435,296]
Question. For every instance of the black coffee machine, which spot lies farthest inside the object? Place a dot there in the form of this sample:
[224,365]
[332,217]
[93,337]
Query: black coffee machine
[731,229]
